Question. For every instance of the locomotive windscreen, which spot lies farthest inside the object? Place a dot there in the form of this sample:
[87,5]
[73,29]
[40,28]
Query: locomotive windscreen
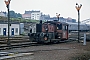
[38,27]
[59,26]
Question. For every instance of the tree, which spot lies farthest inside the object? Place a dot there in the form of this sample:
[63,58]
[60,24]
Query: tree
[14,15]
[18,15]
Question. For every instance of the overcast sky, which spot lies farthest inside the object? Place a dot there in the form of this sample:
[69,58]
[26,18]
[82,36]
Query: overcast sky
[65,7]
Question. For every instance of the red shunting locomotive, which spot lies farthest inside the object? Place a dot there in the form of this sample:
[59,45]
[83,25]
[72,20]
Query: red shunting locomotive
[50,31]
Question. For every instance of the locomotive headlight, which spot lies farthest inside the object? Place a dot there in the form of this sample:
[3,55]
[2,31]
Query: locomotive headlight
[46,29]
[45,38]
[59,37]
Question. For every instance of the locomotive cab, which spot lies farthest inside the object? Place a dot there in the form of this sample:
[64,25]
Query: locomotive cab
[62,31]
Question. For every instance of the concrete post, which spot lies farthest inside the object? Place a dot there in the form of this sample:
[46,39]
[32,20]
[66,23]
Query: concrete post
[84,42]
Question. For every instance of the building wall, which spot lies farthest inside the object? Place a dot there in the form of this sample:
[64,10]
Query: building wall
[35,15]
[26,16]
[15,26]
[21,26]
[2,14]
[45,17]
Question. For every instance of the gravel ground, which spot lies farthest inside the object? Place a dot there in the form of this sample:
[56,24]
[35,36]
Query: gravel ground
[62,51]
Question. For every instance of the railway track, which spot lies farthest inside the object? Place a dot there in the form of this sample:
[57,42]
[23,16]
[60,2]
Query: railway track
[15,42]
[23,41]
[74,36]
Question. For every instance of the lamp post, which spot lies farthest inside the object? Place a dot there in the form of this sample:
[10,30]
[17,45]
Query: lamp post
[57,16]
[7,2]
[78,7]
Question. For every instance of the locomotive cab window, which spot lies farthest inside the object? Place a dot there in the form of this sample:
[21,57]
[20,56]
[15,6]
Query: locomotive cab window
[64,27]
[59,26]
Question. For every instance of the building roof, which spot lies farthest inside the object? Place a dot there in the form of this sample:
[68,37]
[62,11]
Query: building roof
[29,12]
[10,23]
[75,23]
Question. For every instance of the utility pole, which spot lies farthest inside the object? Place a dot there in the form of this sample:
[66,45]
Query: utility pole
[57,16]
[78,10]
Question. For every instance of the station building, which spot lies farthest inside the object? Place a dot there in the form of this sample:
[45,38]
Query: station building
[15,29]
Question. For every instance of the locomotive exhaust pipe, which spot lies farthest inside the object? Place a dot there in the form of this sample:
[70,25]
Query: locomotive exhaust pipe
[40,21]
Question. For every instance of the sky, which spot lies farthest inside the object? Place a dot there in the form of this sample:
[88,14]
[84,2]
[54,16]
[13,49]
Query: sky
[66,8]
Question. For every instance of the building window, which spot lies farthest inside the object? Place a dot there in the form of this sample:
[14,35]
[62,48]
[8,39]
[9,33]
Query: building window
[37,14]
[32,14]
[0,30]
[32,18]
[16,31]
